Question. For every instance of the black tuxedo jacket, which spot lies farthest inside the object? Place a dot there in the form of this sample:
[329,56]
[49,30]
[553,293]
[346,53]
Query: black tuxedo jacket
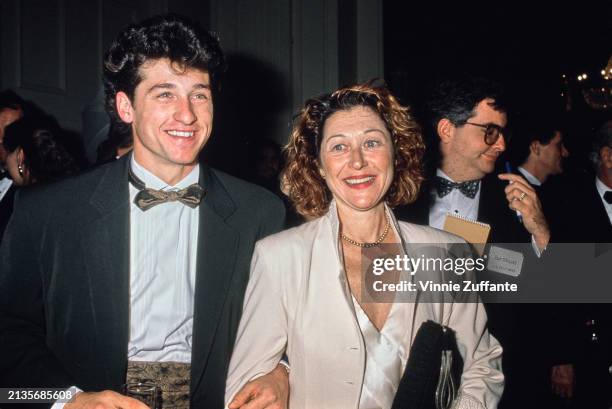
[586,221]
[64,281]
[586,218]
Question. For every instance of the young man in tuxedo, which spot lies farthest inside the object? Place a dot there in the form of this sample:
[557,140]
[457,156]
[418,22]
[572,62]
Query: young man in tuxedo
[539,153]
[543,154]
[468,120]
[136,270]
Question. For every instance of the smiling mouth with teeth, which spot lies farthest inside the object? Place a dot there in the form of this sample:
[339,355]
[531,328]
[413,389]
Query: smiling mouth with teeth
[182,134]
[360,180]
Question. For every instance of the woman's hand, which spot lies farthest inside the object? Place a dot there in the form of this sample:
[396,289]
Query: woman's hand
[270,391]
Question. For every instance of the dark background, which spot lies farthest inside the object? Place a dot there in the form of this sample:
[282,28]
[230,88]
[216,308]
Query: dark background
[528,46]
[52,53]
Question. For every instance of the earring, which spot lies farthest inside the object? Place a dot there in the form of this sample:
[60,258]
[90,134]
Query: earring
[20,169]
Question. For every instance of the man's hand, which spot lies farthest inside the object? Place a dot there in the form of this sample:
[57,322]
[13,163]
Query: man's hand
[562,380]
[270,391]
[522,197]
[104,400]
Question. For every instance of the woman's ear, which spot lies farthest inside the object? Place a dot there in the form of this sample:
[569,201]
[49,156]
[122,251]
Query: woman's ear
[20,157]
[124,107]
[22,169]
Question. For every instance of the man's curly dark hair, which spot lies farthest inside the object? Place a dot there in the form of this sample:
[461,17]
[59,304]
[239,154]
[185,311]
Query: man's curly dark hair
[170,36]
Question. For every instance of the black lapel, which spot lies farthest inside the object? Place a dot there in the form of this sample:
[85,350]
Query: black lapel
[217,249]
[105,243]
[484,202]
[492,205]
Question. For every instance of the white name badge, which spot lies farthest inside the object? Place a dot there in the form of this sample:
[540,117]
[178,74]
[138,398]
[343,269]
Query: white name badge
[505,261]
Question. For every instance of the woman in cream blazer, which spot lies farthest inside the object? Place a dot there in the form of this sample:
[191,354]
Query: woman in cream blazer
[299,301]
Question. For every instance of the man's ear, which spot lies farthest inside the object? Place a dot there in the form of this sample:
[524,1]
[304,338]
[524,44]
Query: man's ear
[445,130]
[124,107]
[534,147]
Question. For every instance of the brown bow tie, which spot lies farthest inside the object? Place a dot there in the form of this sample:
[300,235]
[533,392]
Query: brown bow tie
[147,198]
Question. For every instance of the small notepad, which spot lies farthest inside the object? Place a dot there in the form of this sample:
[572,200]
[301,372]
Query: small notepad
[474,232]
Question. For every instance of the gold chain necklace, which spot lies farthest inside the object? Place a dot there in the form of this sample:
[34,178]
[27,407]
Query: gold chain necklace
[368,245]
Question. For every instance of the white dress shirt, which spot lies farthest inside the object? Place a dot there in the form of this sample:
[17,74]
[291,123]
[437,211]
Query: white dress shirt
[455,202]
[602,189]
[163,249]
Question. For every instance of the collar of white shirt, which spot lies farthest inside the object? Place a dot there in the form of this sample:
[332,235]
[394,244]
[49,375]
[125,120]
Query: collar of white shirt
[5,185]
[530,178]
[153,182]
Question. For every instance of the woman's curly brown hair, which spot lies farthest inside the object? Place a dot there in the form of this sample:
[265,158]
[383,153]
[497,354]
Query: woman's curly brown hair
[300,178]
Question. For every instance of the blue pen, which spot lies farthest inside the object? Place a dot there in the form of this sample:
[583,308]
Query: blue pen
[518,214]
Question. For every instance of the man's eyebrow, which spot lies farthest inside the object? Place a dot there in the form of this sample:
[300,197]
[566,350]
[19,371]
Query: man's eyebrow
[165,85]
[169,85]
[490,123]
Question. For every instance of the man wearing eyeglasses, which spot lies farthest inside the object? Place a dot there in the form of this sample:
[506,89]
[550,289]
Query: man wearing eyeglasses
[468,135]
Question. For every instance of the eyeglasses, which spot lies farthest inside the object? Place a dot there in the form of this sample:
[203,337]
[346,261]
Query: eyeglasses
[491,132]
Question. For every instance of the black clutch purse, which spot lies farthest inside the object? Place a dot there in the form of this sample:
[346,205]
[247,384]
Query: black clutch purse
[433,372]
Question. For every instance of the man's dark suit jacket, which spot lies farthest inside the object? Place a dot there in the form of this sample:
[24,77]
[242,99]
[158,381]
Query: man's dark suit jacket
[586,221]
[64,281]
[517,327]
[586,218]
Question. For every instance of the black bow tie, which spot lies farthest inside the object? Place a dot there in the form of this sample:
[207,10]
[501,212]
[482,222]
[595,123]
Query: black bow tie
[445,186]
[147,198]
[608,196]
